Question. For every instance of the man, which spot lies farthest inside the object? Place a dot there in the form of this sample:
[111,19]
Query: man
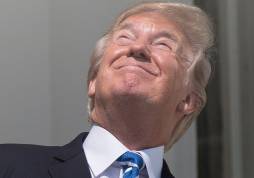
[146,84]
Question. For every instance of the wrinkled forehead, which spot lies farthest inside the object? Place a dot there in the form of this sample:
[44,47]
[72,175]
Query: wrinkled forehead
[166,24]
[160,17]
[152,22]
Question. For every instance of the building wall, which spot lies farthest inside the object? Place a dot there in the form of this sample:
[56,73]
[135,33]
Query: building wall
[236,67]
[246,64]
[24,71]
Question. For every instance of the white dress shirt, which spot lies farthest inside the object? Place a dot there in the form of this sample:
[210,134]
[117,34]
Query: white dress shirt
[102,149]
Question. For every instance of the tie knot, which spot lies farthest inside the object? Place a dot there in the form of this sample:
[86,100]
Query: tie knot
[132,163]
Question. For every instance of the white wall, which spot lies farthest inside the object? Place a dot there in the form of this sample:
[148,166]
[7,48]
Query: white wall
[24,71]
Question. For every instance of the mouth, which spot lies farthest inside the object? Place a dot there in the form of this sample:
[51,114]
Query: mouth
[140,68]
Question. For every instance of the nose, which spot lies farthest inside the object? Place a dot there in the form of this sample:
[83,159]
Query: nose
[139,51]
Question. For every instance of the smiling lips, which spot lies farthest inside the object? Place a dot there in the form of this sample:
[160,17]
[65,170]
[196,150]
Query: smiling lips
[138,67]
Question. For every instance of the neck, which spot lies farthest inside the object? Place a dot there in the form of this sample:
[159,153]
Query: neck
[133,124]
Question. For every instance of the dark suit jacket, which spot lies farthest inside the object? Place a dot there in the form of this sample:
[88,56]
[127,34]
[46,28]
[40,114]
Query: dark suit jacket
[33,161]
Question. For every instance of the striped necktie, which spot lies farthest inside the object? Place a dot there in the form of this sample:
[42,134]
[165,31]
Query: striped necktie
[132,163]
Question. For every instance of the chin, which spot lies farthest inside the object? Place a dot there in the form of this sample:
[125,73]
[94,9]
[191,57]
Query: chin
[129,84]
[127,91]
[130,93]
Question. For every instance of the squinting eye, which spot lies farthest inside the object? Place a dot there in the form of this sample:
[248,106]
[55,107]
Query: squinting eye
[163,46]
[123,39]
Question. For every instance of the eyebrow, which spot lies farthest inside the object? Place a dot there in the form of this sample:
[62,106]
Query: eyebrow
[163,33]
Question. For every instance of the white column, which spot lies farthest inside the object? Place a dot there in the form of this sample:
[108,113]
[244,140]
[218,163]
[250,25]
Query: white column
[229,67]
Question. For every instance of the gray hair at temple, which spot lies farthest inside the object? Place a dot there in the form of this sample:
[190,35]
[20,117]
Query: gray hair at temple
[197,29]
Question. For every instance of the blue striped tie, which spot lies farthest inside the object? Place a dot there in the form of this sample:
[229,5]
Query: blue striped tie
[132,163]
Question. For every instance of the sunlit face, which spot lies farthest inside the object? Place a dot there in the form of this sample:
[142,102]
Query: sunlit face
[140,62]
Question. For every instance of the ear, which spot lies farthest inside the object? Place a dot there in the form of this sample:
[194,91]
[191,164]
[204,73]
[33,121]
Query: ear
[91,88]
[190,104]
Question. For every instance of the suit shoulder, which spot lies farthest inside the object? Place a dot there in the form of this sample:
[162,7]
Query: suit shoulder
[18,159]
[23,161]
[19,151]
[16,155]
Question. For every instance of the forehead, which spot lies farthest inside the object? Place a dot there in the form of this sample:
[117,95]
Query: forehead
[150,20]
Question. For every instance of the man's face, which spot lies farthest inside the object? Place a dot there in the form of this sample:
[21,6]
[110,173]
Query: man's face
[140,62]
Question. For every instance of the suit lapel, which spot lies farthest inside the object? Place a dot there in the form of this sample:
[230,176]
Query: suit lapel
[71,161]
[75,167]
[165,172]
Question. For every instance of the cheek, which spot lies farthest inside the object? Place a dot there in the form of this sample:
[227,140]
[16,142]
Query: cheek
[113,52]
[170,68]
[164,58]
[173,74]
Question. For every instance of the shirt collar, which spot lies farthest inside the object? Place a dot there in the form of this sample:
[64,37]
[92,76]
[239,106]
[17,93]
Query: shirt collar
[102,149]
